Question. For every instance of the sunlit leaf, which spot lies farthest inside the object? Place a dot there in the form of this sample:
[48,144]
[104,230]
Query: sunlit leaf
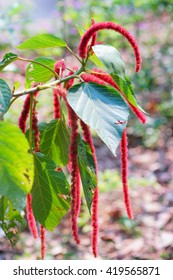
[102,108]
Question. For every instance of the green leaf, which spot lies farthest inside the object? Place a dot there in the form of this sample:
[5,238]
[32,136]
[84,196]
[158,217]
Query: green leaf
[101,107]
[55,141]
[113,61]
[16,165]
[12,221]
[111,58]
[95,60]
[42,41]
[37,73]
[7,59]
[50,193]
[80,30]
[87,171]
[5,97]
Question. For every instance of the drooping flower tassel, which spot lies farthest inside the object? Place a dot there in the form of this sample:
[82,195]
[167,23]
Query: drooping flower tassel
[22,125]
[56,104]
[74,175]
[113,26]
[94,215]
[94,223]
[30,216]
[43,242]
[91,78]
[124,173]
[108,79]
[24,114]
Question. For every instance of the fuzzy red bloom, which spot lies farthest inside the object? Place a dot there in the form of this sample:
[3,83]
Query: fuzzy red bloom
[138,113]
[24,114]
[60,67]
[91,78]
[30,216]
[95,226]
[56,103]
[94,37]
[35,129]
[104,77]
[43,242]
[74,175]
[108,79]
[124,173]
[109,25]
[94,216]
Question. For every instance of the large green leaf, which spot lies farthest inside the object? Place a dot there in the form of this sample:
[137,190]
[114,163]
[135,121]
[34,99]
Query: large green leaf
[87,171]
[12,221]
[50,193]
[55,141]
[42,41]
[112,59]
[37,73]
[5,97]
[102,108]
[7,59]
[16,165]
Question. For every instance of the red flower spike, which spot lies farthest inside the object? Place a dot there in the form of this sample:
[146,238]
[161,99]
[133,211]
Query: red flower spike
[78,194]
[104,77]
[60,67]
[138,113]
[35,129]
[30,216]
[56,103]
[24,114]
[124,173]
[107,78]
[74,175]
[91,78]
[118,28]
[94,216]
[94,37]
[43,242]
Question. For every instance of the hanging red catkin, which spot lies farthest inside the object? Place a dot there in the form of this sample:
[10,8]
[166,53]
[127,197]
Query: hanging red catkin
[94,37]
[124,173]
[56,104]
[91,78]
[74,175]
[109,25]
[43,242]
[94,216]
[70,82]
[107,78]
[30,216]
[35,129]
[60,67]
[22,125]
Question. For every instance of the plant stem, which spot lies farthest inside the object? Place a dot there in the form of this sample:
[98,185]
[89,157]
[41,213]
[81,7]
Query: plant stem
[49,85]
[39,63]
[77,57]
[30,122]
